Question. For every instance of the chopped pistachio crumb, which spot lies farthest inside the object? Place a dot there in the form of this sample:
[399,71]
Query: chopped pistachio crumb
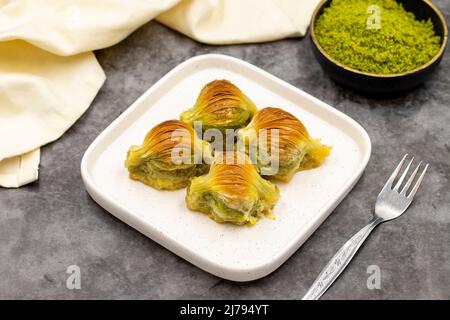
[399,42]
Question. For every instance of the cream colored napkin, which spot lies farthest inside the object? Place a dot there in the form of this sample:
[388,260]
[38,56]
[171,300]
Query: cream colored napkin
[240,21]
[49,76]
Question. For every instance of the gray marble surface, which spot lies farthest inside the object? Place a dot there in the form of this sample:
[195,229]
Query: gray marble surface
[53,223]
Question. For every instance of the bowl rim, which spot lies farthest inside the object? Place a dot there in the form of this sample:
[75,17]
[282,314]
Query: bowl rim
[375,75]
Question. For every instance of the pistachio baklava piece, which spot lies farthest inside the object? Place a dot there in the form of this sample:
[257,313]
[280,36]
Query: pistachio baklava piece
[170,156]
[220,105]
[232,191]
[283,138]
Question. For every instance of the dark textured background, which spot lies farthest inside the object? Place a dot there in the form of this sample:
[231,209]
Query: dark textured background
[53,223]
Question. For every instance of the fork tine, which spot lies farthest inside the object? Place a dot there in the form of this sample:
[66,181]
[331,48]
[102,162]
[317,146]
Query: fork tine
[399,182]
[410,180]
[416,186]
[395,173]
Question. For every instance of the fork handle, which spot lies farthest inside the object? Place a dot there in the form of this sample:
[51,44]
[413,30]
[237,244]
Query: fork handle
[339,262]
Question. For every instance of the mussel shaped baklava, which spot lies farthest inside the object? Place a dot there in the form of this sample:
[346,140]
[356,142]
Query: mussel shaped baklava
[220,105]
[169,157]
[282,138]
[232,191]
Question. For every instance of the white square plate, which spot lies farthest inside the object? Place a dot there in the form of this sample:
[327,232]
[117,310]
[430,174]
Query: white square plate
[228,251]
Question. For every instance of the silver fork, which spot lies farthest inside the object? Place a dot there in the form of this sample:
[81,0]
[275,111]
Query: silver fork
[390,204]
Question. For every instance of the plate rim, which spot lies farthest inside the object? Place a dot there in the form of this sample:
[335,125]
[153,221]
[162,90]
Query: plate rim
[185,252]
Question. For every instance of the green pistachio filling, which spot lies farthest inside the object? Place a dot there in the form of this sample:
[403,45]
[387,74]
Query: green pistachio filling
[376,36]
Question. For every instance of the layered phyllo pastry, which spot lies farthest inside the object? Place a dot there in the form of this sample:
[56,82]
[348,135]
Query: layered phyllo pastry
[170,156]
[232,191]
[281,138]
[220,105]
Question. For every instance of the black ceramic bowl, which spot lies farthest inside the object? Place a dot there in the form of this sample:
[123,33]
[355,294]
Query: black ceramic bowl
[384,84]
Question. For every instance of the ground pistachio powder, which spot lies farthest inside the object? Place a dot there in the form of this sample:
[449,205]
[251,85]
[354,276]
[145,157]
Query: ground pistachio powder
[397,44]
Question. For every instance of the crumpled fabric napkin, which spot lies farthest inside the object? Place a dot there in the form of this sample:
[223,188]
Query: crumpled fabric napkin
[49,76]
